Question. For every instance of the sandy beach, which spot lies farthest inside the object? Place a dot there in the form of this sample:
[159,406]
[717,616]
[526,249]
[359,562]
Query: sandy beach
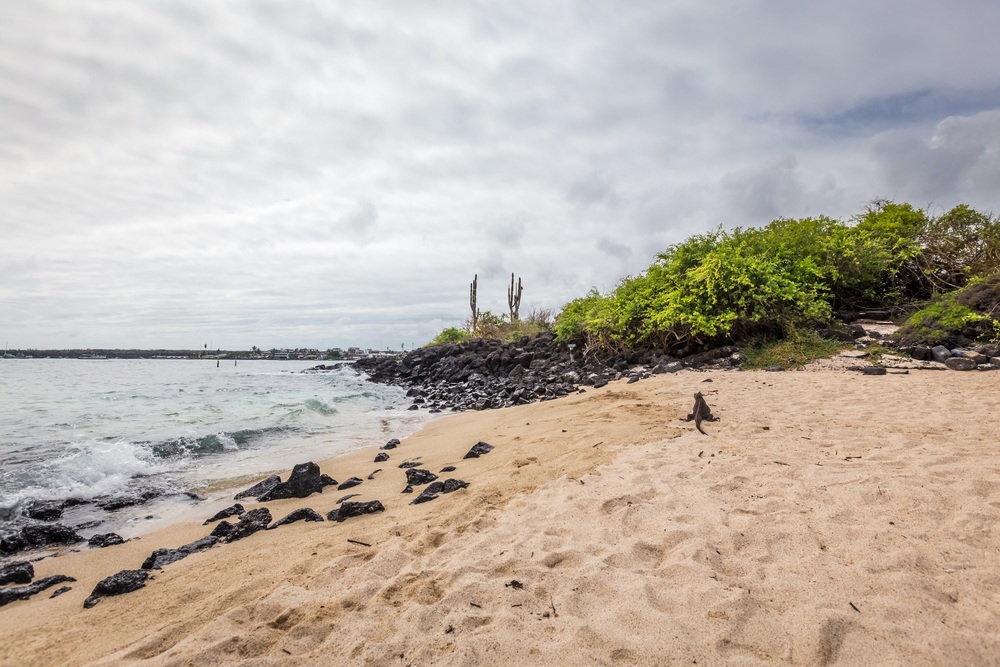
[826,518]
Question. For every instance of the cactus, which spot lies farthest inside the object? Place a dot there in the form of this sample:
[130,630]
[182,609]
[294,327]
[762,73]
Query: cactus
[473,288]
[514,298]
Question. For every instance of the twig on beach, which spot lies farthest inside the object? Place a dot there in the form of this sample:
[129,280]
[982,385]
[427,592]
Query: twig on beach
[473,604]
[782,463]
[359,542]
[553,605]
[853,607]
[848,458]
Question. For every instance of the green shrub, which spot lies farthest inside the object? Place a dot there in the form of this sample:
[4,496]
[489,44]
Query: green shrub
[972,312]
[797,349]
[451,335]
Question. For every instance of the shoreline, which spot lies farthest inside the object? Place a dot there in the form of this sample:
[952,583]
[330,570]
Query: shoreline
[637,536]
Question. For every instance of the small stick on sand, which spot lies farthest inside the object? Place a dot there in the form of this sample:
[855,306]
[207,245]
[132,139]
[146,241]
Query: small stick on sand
[364,544]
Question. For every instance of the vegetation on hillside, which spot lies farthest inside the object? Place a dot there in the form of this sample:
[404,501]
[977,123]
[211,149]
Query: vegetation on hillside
[765,284]
[755,286]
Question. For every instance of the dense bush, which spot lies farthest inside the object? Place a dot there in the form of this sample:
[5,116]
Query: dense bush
[747,284]
[451,336]
[499,327]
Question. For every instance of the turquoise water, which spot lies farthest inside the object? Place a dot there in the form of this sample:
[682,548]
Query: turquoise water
[94,428]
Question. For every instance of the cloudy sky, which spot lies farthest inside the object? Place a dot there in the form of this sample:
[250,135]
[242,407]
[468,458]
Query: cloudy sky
[279,173]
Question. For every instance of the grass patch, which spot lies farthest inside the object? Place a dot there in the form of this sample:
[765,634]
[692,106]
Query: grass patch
[874,352]
[798,349]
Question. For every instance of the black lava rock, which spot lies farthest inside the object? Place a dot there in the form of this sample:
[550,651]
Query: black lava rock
[17,573]
[234,510]
[428,494]
[381,457]
[350,483]
[418,476]
[127,500]
[454,485]
[327,480]
[347,497]
[161,557]
[59,591]
[408,464]
[372,476]
[259,488]
[105,540]
[304,481]
[447,469]
[249,524]
[123,582]
[392,444]
[478,450]
[408,489]
[8,595]
[301,514]
[38,536]
[48,510]
[222,529]
[349,509]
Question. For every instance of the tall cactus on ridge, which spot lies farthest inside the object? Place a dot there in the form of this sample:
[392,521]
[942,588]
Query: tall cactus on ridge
[473,289]
[514,298]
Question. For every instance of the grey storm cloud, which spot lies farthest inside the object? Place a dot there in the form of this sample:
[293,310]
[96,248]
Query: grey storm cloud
[265,173]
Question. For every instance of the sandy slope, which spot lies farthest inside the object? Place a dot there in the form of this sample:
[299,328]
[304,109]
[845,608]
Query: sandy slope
[827,518]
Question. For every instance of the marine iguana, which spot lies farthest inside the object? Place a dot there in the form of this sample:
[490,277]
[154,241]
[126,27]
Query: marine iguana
[701,412]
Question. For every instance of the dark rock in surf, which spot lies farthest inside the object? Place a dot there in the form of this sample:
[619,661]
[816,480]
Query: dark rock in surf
[38,536]
[234,510]
[17,573]
[47,510]
[161,557]
[8,595]
[301,514]
[304,481]
[392,444]
[350,483]
[105,540]
[418,476]
[351,509]
[123,582]
[479,449]
[127,500]
[259,488]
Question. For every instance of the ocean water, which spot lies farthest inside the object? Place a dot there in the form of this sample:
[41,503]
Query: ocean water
[93,429]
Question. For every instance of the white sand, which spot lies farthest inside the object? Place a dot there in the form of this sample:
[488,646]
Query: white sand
[827,518]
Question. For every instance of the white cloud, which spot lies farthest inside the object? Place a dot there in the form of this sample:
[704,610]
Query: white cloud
[266,174]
